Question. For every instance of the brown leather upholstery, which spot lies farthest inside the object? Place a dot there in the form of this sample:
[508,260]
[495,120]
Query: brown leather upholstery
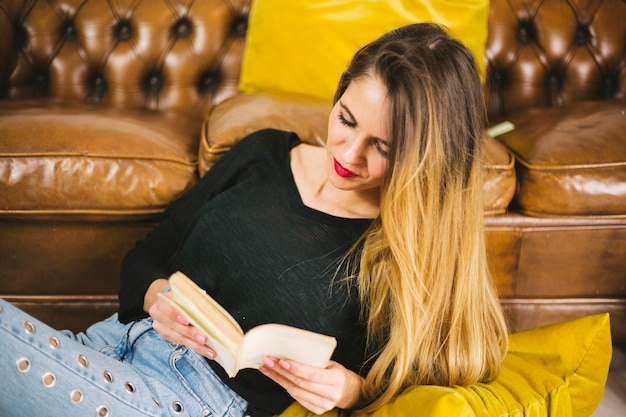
[587,176]
[114,163]
[102,107]
[554,53]
[166,55]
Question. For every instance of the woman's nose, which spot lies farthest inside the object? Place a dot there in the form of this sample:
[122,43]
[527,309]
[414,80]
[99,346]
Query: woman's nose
[354,152]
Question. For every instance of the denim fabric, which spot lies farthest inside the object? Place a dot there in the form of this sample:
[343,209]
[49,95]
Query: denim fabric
[112,369]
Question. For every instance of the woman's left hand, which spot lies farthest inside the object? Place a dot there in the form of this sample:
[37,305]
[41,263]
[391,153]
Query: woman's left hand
[317,389]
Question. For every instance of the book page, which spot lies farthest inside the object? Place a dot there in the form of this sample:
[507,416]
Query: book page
[285,342]
[211,316]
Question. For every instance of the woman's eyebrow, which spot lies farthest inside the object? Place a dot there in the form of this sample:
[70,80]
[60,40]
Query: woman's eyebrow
[347,110]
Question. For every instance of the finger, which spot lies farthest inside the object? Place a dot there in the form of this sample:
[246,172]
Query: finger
[182,335]
[173,326]
[312,401]
[303,382]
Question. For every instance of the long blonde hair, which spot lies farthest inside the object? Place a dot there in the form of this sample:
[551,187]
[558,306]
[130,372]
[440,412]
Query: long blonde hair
[427,294]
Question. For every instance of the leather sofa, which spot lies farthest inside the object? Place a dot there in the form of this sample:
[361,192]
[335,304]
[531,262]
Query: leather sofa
[108,111]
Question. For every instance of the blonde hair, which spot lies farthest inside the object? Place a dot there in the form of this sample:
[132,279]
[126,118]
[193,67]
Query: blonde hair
[430,302]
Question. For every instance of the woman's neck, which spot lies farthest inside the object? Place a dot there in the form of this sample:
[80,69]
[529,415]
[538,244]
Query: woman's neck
[310,172]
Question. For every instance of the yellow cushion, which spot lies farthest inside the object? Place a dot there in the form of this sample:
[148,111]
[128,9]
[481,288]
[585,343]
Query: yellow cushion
[558,370]
[303,46]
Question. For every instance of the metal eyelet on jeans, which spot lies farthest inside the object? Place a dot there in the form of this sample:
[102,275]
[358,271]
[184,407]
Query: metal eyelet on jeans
[54,342]
[102,411]
[130,387]
[48,379]
[76,396]
[108,376]
[23,365]
[178,407]
[29,327]
[83,361]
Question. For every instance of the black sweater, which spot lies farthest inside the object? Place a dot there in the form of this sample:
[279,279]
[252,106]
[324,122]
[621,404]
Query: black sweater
[245,236]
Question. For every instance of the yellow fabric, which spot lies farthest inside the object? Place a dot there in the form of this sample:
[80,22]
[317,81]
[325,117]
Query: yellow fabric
[303,46]
[558,370]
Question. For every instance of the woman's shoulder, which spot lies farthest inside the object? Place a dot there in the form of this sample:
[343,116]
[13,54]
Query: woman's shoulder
[268,141]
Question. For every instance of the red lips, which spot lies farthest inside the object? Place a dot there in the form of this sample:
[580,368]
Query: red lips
[343,172]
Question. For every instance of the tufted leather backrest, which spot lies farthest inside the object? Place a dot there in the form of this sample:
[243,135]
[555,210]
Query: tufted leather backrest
[554,52]
[186,55]
[157,54]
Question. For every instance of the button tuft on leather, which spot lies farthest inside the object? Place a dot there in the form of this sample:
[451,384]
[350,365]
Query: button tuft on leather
[208,82]
[20,36]
[525,31]
[609,86]
[123,30]
[40,82]
[583,35]
[68,30]
[97,85]
[497,79]
[553,82]
[153,82]
[182,28]
[239,27]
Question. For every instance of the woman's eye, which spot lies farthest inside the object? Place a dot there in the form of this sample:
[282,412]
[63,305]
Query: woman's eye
[381,149]
[345,121]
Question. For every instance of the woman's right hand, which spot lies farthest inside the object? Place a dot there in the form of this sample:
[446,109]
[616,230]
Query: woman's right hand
[170,324]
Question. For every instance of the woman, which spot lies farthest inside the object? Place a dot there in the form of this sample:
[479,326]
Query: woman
[376,239]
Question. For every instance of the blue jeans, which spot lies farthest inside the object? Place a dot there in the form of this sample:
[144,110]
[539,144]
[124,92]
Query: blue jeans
[112,369]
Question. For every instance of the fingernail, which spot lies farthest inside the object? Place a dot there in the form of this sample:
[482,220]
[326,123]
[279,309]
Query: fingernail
[201,339]
[264,371]
[268,362]
[210,355]
[284,364]
[183,320]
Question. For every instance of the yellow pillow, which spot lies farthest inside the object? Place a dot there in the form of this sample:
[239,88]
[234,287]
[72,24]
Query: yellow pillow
[558,370]
[303,46]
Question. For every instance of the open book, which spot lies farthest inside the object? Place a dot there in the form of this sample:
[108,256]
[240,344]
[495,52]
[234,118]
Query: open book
[236,350]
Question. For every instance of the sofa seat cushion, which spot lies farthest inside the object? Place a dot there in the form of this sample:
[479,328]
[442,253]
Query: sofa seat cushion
[571,160]
[71,160]
[557,370]
[308,118]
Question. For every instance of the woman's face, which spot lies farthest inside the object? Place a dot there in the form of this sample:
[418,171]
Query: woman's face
[357,146]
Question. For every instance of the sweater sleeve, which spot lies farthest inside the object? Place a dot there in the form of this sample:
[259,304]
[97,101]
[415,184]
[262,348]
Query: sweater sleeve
[149,259]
